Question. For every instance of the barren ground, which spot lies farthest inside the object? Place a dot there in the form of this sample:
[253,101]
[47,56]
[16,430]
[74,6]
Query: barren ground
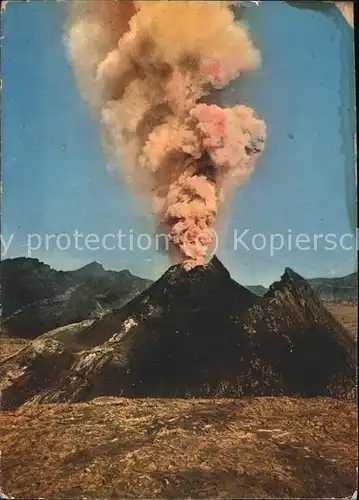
[9,346]
[145,448]
[346,313]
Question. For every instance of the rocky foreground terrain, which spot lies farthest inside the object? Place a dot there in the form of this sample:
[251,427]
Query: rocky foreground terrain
[146,448]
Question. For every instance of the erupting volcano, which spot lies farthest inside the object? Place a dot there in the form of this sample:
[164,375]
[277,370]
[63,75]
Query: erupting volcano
[145,68]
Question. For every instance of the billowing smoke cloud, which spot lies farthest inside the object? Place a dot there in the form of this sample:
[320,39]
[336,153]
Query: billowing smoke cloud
[145,68]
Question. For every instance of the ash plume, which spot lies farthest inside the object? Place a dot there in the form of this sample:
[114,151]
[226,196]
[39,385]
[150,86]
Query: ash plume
[144,67]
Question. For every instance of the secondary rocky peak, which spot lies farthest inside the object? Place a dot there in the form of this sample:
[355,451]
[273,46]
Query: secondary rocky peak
[291,283]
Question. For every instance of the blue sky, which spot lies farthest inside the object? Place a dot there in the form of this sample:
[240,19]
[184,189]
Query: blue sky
[54,172]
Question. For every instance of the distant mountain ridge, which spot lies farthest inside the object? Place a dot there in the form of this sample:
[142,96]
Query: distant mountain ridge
[257,289]
[344,288]
[36,298]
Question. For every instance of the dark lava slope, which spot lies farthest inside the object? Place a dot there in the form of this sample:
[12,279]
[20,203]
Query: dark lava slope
[195,333]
